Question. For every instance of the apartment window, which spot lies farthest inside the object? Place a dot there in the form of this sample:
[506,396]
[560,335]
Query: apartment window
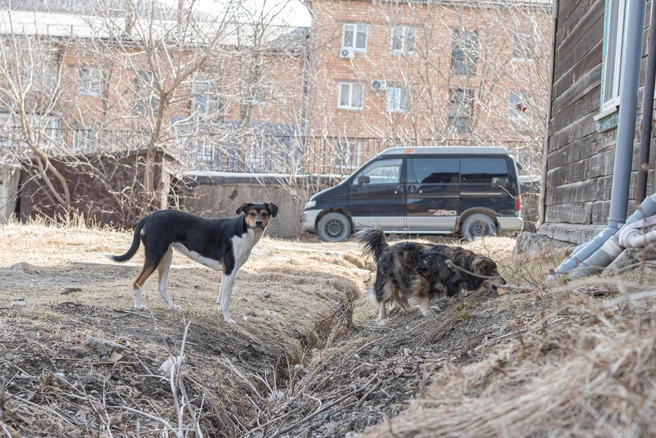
[614,46]
[205,151]
[145,99]
[403,40]
[524,47]
[350,96]
[398,100]
[464,54]
[89,81]
[205,100]
[461,110]
[355,37]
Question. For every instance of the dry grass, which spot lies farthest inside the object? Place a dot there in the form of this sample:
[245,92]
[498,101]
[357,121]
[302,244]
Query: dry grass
[307,358]
[57,291]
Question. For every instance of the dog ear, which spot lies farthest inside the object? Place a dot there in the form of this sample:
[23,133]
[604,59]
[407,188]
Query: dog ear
[243,207]
[273,208]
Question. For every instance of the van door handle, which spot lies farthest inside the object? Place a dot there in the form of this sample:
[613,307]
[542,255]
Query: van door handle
[399,189]
[412,189]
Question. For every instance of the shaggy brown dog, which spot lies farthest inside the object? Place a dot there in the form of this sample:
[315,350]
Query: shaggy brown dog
[407,273]
[475,270]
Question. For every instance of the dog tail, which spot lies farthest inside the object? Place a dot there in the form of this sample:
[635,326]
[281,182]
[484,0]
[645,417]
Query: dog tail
[136,240]
[373,241]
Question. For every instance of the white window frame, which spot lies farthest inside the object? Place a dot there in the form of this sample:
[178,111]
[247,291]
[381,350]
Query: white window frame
[355,28]
[395,98]
[89,81]
[145,100]
[405,33]
[205,99]
[520,47]
[614,40]
[351,103]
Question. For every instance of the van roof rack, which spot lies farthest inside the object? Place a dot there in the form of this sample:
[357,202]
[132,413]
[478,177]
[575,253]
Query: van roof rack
[448,150]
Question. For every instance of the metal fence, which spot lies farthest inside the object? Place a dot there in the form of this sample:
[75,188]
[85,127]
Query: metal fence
[225,151]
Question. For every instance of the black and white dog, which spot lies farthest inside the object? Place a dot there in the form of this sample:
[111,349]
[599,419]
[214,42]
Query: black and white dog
[220,244]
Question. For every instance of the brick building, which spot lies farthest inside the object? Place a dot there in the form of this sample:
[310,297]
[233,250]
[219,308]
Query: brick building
[390,73]
[365,76]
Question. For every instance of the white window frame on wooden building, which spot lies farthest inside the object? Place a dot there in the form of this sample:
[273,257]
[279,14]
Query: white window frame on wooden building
[614,36]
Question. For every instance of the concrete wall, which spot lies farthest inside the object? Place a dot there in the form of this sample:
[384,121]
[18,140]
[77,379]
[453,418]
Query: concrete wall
[220,194]
[9,177]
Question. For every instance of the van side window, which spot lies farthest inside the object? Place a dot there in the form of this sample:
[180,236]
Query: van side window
[434,170]
[384,172]
[484,171]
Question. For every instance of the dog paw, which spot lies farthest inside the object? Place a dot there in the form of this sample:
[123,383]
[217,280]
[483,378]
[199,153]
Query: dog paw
[383,322]
[435,309]
[176,308]
[140,307]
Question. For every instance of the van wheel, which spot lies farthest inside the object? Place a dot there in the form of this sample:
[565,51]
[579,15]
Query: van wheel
[334,227]
[477,225]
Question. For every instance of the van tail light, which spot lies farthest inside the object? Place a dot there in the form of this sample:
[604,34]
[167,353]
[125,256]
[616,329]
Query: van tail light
[518,205]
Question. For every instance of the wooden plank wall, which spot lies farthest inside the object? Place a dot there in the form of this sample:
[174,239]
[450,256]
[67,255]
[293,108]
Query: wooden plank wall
[579,162]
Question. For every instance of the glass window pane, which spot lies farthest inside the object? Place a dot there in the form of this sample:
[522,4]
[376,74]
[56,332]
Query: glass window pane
[384,174]
[482,170]
[357,96]
[361,39]
[344,91]
[436,170]
[348,36]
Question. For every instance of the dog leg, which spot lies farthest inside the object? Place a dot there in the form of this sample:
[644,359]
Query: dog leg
[382,314]
[138,283]
[224,296]
[424,306]
[162,274]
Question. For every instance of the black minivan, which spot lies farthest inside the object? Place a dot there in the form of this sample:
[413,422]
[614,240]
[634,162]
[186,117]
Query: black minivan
[472,191]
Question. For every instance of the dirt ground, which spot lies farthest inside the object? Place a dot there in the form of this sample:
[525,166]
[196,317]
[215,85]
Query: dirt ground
[307,357]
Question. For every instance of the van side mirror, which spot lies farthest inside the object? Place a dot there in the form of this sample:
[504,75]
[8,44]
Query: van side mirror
[364,179]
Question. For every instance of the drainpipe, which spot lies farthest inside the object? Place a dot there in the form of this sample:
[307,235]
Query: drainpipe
[647,108]
[583,261]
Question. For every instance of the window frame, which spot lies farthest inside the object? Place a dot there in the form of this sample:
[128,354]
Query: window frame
[465,45]
[520,52]
[357,28]
[205,100]
[350,105]
[405,36]
[614,40]
[145,99]
[466,101]
[395,96]
[89,84]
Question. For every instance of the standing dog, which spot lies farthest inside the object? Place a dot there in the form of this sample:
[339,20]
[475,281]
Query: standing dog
[220,244]
[406,273]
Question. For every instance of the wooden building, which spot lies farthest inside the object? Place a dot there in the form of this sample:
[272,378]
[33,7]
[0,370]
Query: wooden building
[583,117]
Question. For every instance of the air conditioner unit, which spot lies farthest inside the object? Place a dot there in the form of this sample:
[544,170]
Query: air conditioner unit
[378,85]
[347,52]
